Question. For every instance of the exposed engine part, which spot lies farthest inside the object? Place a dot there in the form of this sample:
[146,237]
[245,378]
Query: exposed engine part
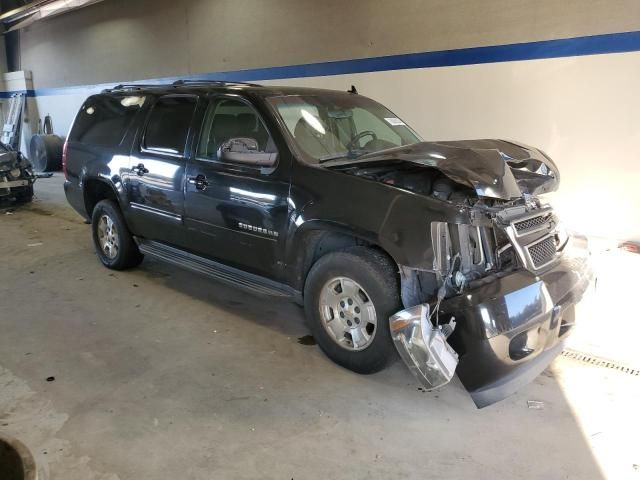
[448,328]
[459,280]
[473,245]
[423,347]
[417,286]
[418,179]
[442,188]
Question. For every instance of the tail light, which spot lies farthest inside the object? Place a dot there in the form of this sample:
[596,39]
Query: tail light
[64,159]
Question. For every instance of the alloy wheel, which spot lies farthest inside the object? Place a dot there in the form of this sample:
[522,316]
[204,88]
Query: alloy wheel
[108,237]
[348,314]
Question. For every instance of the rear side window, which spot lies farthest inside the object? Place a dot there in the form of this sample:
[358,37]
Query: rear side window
[169,123]
[104,120]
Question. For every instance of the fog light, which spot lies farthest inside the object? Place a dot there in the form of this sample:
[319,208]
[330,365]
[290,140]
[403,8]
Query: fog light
[524,344]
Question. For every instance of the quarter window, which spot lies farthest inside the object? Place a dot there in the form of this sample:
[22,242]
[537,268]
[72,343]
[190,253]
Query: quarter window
[169,124]
[104,119]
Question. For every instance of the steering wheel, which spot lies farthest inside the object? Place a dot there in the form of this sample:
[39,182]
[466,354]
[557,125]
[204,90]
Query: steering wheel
[359,136]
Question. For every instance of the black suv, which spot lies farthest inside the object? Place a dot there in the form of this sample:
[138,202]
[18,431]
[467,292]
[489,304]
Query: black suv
[439,251]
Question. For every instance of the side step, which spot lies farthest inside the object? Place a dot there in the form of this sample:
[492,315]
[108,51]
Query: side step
[216,270]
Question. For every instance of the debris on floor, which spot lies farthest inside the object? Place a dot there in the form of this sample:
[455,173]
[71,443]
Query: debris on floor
[535,404]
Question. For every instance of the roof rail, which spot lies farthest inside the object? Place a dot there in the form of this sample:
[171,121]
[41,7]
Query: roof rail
[132,86]
[177,83]
[212,82]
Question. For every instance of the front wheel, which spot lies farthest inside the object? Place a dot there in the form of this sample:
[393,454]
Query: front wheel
[114,244]
[349,297]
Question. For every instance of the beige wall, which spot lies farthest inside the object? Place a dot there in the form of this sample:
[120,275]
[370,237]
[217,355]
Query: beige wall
[120,40]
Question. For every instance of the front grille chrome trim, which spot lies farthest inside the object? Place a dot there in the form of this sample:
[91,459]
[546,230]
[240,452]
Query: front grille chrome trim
[530,259]
[546,215]
[518,240]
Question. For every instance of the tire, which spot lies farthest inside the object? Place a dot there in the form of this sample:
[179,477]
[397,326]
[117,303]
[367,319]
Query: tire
[108,227]
[376,279]
[46,153]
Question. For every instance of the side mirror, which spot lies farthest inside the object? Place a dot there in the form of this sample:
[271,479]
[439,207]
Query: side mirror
[246,151]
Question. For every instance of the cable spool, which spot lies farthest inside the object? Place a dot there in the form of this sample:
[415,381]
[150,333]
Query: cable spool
[46,153]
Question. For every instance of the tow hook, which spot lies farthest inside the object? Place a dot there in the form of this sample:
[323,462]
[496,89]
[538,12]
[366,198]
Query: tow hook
[423,347]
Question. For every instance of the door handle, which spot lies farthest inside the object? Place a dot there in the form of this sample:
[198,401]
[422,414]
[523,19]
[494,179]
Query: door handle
[199,181]
[139,169]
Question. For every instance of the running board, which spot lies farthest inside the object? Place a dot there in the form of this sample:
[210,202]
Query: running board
[218,271]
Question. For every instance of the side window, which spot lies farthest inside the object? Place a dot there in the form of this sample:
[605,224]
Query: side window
[104,119]
[169,123]
[230,118]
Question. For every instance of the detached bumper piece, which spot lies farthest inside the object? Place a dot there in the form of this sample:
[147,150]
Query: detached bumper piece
[423,347]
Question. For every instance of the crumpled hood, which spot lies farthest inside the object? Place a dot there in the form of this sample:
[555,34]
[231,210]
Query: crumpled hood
[494,168]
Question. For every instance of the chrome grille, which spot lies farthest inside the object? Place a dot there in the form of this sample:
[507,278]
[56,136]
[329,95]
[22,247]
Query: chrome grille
[542,252]
[531,224]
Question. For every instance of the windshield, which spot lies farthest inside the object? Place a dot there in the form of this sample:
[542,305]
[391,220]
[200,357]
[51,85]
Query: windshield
[331,126]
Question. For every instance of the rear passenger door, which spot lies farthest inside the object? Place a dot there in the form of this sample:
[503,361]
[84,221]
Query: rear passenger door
[236,214]
[157,167]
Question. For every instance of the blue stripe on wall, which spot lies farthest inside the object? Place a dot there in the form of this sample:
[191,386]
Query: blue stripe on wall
[30,93]
[568,47]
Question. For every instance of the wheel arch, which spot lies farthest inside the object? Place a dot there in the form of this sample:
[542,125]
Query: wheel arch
[96,189]
[318,239]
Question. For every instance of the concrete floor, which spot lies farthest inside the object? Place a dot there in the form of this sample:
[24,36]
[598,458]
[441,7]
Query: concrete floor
[163,374]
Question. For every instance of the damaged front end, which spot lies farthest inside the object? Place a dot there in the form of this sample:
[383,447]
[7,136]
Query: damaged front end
[494,297]
[508,281]
[16,175]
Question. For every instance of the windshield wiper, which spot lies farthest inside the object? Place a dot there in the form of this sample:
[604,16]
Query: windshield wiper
[351,155]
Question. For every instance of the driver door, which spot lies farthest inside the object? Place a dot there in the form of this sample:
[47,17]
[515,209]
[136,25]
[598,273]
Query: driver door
[236,213]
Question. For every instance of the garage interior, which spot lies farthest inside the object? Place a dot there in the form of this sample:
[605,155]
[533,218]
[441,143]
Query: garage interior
[158,372]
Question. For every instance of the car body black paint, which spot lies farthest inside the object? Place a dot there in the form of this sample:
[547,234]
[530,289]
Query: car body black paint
[257,220]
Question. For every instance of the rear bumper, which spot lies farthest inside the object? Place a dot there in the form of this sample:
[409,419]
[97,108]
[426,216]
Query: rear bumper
[509,329]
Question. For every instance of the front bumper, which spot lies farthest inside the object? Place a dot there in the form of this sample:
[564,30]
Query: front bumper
[510,328]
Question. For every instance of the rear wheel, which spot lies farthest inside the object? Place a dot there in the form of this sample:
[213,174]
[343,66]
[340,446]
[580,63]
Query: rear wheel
[113,242]
[349,297]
